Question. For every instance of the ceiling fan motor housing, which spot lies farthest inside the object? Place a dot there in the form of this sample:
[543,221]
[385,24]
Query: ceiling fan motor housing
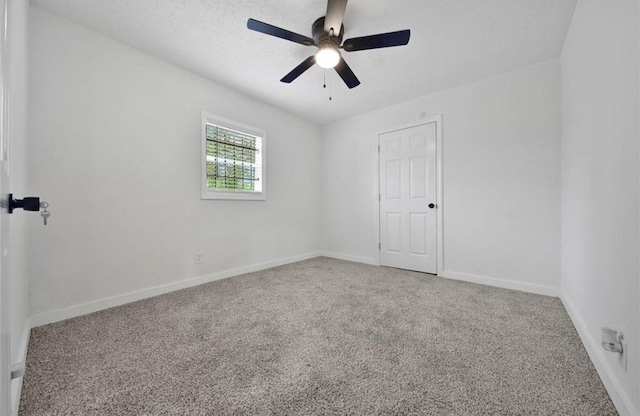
[320,36]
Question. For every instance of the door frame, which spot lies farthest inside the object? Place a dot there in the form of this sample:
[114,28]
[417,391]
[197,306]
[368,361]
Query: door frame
[5,330]
[439,184]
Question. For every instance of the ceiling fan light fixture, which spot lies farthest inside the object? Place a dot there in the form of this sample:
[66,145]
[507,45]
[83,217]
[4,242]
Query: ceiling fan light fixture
[327,32]
[327,56]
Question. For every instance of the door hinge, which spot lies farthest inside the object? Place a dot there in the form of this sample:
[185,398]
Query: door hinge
[379,197]
[378,148]
[379,246]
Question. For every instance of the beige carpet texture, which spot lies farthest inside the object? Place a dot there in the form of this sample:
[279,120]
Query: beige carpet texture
[318,337]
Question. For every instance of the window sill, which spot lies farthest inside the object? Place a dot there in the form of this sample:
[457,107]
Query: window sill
[238,196]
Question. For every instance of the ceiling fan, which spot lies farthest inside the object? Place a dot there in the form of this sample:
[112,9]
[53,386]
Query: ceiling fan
[327,33]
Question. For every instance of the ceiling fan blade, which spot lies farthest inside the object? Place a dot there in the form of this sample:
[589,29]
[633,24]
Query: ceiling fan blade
[268,29]
[335,16]
[383,40]
[299,70]
[347,74]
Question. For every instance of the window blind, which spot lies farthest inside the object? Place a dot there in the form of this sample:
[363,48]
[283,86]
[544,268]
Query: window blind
[234,160]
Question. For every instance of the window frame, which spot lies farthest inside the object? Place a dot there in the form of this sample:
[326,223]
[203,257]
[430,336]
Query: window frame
[206,193]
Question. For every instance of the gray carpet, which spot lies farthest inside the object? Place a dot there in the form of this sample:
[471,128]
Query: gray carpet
[318,337]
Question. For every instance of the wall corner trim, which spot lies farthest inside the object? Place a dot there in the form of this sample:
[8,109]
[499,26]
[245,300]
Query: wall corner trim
[502,283]
[620,399]
[45,318]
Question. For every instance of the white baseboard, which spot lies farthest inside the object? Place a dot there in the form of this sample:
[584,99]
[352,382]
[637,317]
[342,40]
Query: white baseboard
[620,399]
[16,384]
[347,257]
[98,305]
[505,284]
[466,277]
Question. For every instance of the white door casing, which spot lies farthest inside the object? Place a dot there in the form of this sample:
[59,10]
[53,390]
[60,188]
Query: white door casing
[5,371]
[408,182]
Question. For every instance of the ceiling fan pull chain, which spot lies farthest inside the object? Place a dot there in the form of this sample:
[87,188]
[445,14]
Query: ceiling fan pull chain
[324,78]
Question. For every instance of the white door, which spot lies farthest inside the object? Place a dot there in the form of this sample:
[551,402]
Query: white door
[408,220]
[5,373]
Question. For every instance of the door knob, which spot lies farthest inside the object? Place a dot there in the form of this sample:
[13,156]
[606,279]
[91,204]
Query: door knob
[30,203]
[432,206]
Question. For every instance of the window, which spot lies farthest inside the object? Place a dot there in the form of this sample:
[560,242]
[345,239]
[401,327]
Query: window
[233,160]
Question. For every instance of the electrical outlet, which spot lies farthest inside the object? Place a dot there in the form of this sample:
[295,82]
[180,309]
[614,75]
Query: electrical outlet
[198,257]
[622,357]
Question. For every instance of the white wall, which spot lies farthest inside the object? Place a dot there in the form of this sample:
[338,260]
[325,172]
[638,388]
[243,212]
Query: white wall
[501,178]
[115,149]
[600,223]
[17,136]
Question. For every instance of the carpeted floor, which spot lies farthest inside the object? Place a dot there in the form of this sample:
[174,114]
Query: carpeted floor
[323,337]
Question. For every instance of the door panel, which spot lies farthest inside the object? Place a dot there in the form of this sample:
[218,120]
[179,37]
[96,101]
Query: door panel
[418,177]
[408,232]
[394,231]
[418,232]
[393,179]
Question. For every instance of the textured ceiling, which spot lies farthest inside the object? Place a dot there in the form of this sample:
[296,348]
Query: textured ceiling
[452,42]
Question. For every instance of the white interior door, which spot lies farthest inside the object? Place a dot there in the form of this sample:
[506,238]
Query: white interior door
[408,203]
[5,372]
